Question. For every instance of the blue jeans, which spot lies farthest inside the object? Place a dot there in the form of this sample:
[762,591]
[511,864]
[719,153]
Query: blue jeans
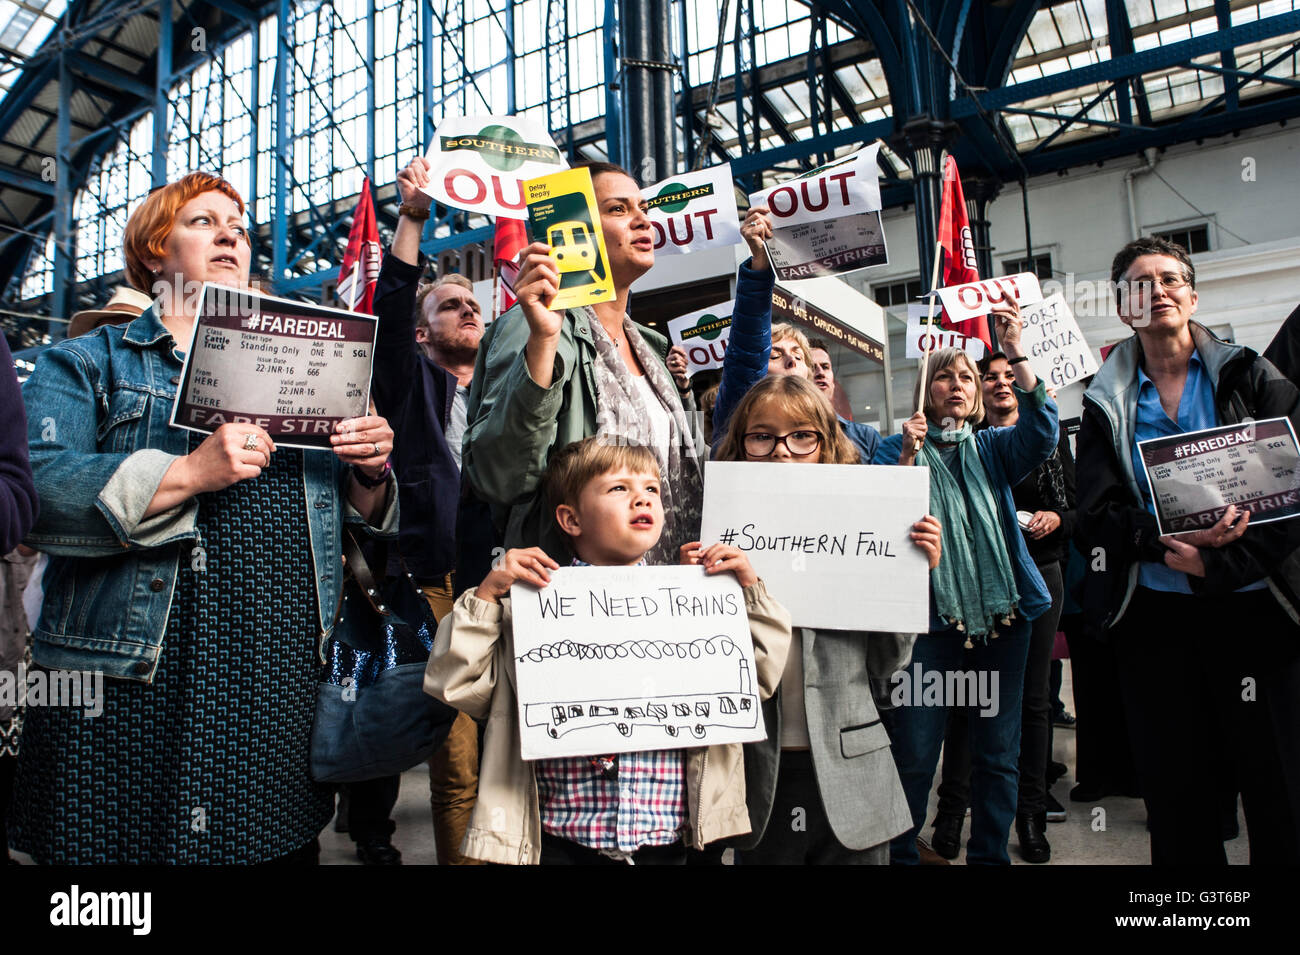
[917,734]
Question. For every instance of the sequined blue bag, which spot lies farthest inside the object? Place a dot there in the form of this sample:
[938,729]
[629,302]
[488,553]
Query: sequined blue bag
[373,718]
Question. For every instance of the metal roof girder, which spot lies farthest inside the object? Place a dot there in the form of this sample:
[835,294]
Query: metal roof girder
[1133,64]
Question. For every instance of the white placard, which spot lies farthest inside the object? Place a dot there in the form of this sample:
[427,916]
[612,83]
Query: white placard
[693,211]
[964,302]
[828,247]
[1057,350]
[940,337]
[479,163]
[847,186]
[831,541]
[624,659]
[704,335]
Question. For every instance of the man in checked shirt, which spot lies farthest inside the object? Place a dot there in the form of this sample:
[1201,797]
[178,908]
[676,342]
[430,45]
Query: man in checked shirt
[645,808]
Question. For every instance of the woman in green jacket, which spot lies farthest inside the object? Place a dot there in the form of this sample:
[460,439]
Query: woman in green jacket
[544,379]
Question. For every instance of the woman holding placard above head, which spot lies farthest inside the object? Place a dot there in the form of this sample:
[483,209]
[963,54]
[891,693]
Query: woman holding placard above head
[986,589]
[757,348]
[1046,510]
[1207,616]
[200,574]
[545,379]
[826,758]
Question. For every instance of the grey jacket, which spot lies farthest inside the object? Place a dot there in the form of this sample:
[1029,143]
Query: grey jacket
[861,792]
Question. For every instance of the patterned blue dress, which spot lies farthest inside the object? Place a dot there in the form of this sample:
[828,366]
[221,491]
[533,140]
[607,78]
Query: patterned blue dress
[209,763]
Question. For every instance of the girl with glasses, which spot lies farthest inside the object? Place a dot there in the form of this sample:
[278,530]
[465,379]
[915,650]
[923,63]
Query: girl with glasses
[822,789]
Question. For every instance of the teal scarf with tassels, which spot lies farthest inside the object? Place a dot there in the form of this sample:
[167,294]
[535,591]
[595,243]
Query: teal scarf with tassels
[974,585]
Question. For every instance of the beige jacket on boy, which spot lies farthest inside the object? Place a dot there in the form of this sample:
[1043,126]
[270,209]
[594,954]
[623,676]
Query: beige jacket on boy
[475,648]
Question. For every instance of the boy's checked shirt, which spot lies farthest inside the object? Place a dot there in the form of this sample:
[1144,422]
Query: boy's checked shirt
[641,802]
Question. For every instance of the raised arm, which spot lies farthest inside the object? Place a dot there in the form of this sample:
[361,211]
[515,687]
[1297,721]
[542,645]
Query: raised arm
[512,418]
[750,344]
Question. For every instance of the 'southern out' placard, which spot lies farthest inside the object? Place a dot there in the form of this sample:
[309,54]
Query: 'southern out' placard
[479,163]
[625,659]
[922,338]
[693,211]
[704,335]
[964,302]
[831,541]
[845,187]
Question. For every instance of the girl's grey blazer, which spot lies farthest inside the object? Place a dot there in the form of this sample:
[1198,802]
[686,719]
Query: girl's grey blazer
[860,789]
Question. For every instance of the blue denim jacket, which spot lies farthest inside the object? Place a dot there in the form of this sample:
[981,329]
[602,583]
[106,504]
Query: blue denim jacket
[98,408]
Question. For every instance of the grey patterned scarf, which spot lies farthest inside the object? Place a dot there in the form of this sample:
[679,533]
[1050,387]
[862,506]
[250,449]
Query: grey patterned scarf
[621,418]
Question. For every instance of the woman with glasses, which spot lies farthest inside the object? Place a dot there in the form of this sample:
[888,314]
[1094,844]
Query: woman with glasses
[1203,623]
[985,591]
[826,759]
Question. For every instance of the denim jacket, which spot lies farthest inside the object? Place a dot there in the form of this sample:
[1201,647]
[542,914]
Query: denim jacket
[98,408]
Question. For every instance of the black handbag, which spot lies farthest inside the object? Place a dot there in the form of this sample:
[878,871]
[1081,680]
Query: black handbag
[373,718]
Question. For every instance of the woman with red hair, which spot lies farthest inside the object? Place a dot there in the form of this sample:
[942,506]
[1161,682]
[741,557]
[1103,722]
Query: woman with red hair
[198,574]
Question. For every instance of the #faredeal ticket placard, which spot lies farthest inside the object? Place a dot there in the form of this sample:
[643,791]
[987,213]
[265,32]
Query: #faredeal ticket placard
[562,212]
[291,368]
[1195,476]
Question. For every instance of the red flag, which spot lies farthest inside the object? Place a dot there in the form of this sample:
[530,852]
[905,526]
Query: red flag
[360,270]
[958,249]
[511,238]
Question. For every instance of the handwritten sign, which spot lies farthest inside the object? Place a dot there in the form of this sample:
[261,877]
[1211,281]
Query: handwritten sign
[1057,350]
[479,163]
[1195,476]
[845,187]
[693,211]
[704,335]
[828,247]
[290,368]
[830,540]
[562,212]
[922,338]
[624,659]
[964,302]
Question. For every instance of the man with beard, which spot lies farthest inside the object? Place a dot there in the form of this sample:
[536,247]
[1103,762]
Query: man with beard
[424,361]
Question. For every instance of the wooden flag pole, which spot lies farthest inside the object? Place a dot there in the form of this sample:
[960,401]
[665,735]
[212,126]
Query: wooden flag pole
[934,282]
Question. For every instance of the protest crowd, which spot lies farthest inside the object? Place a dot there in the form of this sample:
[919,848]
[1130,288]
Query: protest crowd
[217,581]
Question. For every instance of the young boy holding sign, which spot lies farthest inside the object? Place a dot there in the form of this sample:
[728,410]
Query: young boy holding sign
[578,810]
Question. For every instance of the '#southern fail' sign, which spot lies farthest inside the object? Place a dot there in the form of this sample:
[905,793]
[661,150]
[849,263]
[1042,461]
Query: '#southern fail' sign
[831,541]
